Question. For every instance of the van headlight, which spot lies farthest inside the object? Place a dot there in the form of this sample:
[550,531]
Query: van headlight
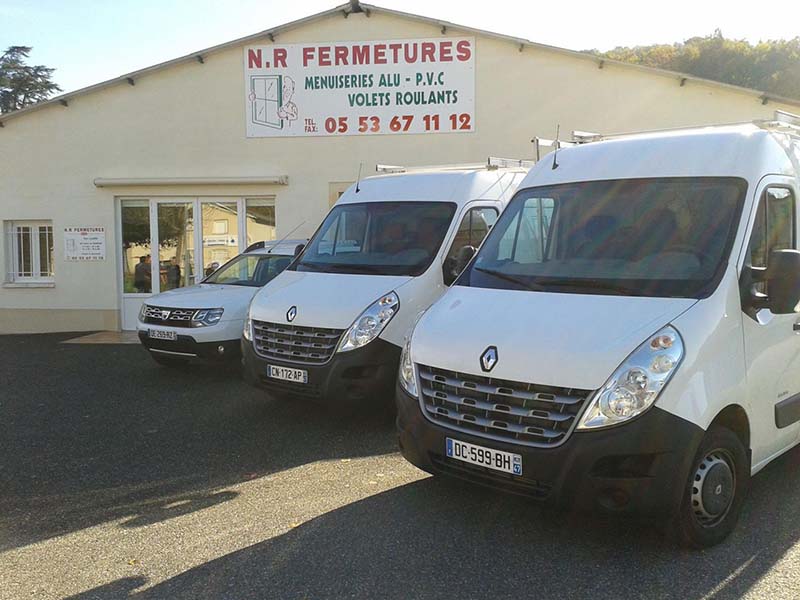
[637,382]
[247,332]
[206,317]
[408,373]
[370,323]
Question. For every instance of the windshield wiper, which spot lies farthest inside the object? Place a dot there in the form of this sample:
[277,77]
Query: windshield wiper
[510,278]
[312,266]
[590,284]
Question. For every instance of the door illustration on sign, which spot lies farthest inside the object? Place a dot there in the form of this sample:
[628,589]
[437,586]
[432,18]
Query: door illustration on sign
[266,98]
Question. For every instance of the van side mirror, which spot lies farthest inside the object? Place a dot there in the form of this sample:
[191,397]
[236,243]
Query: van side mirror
[783,281]
[463,257]
[298,249]
[782,278]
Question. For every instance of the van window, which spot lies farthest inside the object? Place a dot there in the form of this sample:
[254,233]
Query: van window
[773,228]
[667,237]
[473,228]
[380,238]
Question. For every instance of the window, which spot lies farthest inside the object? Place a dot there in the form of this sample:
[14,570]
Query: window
[260,219]
[773,228]
[660,237]
[29,251]
[473,228]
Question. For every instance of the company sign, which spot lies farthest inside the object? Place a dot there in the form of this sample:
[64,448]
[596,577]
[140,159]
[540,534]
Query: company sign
[360,88]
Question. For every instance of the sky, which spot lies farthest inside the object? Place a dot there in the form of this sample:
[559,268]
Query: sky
[88,41]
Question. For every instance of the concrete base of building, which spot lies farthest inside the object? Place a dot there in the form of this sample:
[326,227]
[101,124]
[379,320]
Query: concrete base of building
[43,320]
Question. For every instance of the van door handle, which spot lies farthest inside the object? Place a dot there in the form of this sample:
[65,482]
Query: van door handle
[796,327]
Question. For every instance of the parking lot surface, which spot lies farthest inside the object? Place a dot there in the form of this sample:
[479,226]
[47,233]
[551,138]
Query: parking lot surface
[122,479]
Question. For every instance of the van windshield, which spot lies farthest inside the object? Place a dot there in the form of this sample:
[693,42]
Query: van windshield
[378,238]
[252,270]
[666,237]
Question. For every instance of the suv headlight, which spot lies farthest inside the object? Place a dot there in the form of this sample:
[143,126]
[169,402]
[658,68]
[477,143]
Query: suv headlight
[142,311]
[370,323]
[637,382]
[207,316]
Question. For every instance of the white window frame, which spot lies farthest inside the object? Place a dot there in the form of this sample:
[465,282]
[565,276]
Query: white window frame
[13,275]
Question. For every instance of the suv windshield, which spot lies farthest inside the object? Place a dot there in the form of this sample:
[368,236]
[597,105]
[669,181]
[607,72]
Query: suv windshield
[380,238]
[645,237]
[253,270]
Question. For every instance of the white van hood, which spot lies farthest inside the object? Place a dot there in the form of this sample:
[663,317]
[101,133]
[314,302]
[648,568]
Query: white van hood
[233,298]
[331,300]
[563,340]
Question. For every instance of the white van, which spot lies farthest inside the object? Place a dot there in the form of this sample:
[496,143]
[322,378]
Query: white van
[205,320]
[331,326]
[627,336]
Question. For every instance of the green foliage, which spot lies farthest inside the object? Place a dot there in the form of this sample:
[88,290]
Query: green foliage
[21,84]
[771,66]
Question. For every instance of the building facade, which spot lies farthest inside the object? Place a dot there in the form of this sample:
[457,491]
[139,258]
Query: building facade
[145,182]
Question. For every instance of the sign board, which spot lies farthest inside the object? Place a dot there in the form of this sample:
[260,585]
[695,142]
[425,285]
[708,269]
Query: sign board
[360,88]
[84,243]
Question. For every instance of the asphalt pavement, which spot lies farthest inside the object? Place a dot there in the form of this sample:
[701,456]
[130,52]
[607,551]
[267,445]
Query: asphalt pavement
[123,479]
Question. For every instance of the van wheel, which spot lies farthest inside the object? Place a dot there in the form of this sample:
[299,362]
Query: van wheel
[715,492]
[168,361]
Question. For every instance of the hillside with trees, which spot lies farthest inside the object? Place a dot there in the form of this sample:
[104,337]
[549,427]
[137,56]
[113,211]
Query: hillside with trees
[771,66]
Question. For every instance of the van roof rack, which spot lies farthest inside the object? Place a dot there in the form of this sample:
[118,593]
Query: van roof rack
[492,163]
[782,121]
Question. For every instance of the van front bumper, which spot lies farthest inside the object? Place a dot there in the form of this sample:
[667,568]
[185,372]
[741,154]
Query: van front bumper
[365,375]
[639,467]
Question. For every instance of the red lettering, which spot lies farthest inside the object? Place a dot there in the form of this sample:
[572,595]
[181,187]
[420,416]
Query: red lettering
[254,60]
[340,55]
[446,52]
[410,52]
[324,58]
[279,58]
[395,48]
[463,50]
[308,54]
[360,55]
[428,50]
[380,54]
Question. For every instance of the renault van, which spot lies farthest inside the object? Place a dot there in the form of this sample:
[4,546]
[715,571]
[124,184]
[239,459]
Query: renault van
[626,337]
[330,328]
[205,321]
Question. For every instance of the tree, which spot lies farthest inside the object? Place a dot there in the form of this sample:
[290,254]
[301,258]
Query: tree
[771,66]
[21,84]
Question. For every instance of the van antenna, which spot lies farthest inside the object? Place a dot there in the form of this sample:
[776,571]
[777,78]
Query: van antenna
[358,179]
[275,245]
[557,146]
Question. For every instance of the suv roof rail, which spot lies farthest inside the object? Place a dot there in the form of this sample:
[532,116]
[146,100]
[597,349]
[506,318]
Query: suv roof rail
[255,246]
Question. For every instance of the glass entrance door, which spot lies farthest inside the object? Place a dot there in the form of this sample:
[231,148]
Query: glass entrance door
[174,242]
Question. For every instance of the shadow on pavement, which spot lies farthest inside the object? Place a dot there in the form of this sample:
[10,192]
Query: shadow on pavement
[435,539]
[92,433]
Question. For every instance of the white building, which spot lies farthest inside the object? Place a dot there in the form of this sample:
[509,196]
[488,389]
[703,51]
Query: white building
[189,161]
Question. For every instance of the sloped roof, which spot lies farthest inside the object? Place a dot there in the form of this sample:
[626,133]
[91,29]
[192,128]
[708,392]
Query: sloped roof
[354,6]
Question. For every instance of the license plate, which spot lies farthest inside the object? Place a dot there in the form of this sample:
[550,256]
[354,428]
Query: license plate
[287,374]
[498,460]
[160,334]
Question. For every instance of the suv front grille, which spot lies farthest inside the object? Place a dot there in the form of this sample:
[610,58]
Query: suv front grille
[306,345]
[507,411]
[175,317]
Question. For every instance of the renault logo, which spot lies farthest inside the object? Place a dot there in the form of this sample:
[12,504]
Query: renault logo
[489,358]
[291,314]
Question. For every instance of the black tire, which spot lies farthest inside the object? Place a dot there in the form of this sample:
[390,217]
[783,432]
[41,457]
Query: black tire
[715,492]
[169,361]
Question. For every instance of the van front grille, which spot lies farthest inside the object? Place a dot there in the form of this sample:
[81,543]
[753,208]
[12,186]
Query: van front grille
[292,343]
[507,411]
